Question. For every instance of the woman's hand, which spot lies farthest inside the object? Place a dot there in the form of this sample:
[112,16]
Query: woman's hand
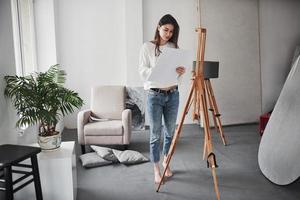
[180,70]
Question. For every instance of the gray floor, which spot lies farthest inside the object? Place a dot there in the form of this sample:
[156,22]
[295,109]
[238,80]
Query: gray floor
[238,174]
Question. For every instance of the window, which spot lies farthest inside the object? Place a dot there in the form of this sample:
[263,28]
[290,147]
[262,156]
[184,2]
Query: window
[24,36]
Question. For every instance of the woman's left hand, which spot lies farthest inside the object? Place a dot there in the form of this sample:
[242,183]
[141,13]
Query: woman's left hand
[180,70]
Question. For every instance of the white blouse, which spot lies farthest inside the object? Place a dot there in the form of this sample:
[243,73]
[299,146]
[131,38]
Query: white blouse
[147,62]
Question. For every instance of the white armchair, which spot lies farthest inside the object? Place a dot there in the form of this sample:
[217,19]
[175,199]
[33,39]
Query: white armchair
[107,122]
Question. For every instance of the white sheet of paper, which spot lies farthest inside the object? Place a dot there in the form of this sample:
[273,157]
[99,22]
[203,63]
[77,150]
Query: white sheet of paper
[164,72]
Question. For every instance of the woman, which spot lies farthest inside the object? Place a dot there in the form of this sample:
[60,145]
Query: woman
[162,100]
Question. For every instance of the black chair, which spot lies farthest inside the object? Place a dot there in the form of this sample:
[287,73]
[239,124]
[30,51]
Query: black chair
[11,156]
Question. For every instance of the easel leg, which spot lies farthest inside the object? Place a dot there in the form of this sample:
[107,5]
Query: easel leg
[216,114]
[204,117]
[208,144]
[201,86]
[211,162]
[196,113]
[211,108]
[204,147]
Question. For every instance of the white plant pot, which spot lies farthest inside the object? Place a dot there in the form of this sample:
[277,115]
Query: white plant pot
[49,142]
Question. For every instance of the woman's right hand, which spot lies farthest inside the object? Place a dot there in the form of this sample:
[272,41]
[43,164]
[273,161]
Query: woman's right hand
[180,70]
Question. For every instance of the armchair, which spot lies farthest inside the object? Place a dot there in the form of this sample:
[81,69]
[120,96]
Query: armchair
[107,122]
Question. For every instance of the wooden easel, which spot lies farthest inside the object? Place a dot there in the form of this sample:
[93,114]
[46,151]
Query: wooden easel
[198,92]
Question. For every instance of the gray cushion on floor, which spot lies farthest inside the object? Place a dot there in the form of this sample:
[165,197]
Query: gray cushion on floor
[129,157]
[93,160]
[105,153]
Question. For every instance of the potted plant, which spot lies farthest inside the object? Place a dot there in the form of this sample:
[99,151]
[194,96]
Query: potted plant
[41,98]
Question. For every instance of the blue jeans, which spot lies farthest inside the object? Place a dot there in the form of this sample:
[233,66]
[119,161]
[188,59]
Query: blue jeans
[161,107]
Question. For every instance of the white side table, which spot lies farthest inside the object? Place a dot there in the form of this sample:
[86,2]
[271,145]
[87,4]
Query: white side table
[58,174]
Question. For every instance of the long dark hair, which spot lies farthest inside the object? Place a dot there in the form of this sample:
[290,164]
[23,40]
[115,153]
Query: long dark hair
[166,19]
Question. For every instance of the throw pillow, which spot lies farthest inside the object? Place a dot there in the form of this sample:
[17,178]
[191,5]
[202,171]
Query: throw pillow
[93,160]
[105,153]
[129,157]
[95,119]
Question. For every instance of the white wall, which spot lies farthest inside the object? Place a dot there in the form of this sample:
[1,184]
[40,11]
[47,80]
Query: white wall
[7,67]
[233,40]
[279,36]
[133,23]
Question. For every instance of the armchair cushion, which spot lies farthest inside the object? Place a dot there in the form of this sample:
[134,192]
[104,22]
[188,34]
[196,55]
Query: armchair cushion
[110,127]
